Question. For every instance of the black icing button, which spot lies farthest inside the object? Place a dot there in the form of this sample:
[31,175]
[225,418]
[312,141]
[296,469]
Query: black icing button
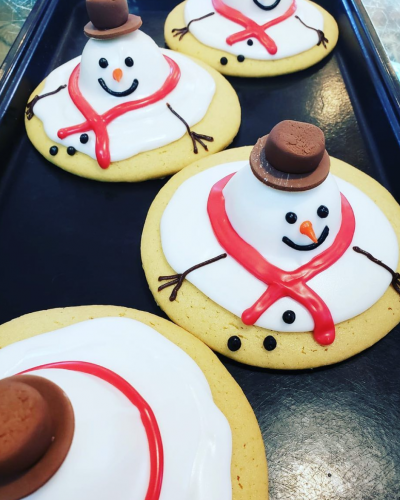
[53,150]
[234,343]
[71,150]
[289,317]
[250,42]
[240,58]
[84,138]
[224,61]
[269,343]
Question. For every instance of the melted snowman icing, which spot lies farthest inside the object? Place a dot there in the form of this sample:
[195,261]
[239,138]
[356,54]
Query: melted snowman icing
[136,131]
[109,460]
[290,36]
[349,287]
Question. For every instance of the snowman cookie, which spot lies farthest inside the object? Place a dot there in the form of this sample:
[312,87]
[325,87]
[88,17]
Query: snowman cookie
[127,110]
[274,262]
[116,403]
[252,38]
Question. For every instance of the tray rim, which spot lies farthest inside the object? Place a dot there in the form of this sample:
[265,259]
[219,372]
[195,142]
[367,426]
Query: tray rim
[14,60]
[379,66]
[378,61]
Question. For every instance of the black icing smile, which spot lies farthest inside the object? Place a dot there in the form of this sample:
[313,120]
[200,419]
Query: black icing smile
[267,7]
[305,248]
[126,92]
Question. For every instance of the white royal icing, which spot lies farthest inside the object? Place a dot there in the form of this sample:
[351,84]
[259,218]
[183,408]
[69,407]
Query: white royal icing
[290,36]
[109,456]
[140,130]
[257,212]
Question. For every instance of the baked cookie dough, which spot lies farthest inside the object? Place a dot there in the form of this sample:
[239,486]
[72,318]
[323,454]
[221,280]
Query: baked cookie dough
[224,331]
[296,46]
[248,464]
[127,111]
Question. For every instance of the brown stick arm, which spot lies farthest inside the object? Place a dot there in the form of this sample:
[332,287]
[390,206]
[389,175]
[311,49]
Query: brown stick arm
[29,107]
[193,135]
[178,279]
[181,32]
[321,35]
[395,276]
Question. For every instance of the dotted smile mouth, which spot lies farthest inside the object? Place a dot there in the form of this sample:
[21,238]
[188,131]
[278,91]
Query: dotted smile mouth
[312,246]
[124,93]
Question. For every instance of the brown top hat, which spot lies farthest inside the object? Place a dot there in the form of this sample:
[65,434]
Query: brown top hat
[292,157]
[36,430]
[110,19]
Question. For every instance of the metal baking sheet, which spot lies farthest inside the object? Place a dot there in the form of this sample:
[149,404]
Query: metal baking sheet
[331,433]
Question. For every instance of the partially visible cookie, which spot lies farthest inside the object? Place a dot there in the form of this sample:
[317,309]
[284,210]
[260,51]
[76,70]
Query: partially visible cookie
[251,38]
[242,320]
[89,348]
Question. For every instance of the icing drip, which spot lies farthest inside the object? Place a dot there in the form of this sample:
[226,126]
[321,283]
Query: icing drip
[252,29]
[282,283]
[146,413]
[98,123]
[29,107]
[193,135]
[181,32]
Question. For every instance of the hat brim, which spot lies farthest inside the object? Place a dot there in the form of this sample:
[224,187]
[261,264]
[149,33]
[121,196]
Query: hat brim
[284,181]
[63,421]
[132,24]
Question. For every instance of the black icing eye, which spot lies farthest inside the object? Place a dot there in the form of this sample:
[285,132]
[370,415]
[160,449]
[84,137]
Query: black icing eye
[129,62]
[103,63]
[323,212]
[291,218]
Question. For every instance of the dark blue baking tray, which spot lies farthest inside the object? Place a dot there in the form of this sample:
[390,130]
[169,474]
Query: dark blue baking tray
[331,433]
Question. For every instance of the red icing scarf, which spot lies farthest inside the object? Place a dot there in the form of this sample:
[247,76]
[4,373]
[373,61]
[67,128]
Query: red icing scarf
[98,123]
[282,283]
[252,29]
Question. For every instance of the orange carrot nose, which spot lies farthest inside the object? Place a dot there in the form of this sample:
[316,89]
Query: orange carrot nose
[117,74]
[307,229]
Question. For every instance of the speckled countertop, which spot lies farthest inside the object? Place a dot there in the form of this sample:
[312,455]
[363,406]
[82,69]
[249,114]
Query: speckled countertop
[12,16]
[385,15]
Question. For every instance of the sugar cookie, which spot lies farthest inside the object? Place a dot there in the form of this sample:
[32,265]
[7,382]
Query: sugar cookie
[252,38]
[282,232]
[151,403]
[127,110]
